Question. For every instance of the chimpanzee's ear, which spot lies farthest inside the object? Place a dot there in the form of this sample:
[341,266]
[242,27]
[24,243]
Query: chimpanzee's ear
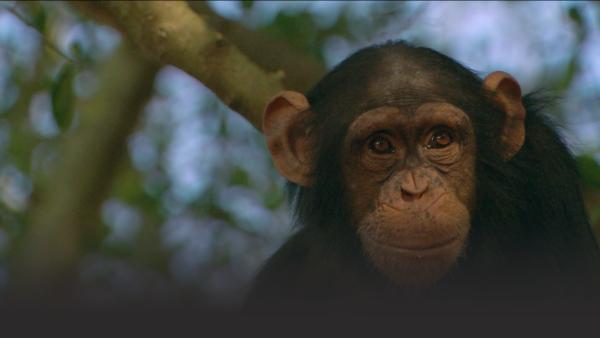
[284,126]
[507,94]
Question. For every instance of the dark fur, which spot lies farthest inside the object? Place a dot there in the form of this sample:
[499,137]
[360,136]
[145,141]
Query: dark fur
[530,236]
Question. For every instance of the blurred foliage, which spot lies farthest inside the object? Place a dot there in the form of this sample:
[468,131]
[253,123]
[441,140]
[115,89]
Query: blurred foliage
[590,171]
[197,202]
[63,96]
[300,30]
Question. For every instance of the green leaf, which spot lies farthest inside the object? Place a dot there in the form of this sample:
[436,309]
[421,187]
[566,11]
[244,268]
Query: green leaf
[39,20]
[590,171]
[299,30]
[247,4]
[223,131]
[216,212]
[341,27]
[63,97]
[564,82]
[579,21]
[77,51]
[575,16]
[239,176]
[273,198]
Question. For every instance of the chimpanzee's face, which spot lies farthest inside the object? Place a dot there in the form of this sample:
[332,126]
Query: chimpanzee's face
[410,174]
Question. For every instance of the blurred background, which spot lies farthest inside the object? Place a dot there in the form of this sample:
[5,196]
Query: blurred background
[175,195]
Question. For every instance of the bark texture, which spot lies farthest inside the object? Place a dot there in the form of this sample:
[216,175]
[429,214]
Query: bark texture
[170,32]
[67,204]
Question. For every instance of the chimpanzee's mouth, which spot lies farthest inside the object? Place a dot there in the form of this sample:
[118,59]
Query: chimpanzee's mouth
[419,249]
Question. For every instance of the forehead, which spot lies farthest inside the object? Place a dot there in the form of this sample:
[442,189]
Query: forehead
[412,113]
[406,82]
[429,113]
[408,86]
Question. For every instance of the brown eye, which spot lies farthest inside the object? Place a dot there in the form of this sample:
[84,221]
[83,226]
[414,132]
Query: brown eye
[381,145]
[440,139]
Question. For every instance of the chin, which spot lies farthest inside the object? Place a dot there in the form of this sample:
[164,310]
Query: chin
[413,267]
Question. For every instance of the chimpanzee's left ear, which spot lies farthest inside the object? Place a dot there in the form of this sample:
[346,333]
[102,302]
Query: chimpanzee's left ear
[507,94]
[287,136]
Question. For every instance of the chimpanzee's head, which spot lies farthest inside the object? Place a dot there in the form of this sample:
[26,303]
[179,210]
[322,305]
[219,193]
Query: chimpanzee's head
[387,143]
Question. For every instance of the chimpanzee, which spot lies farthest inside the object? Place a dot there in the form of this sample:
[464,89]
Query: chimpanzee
[415,182]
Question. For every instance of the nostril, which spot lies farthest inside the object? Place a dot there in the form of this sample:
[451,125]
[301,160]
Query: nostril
[413,186]
[409,196]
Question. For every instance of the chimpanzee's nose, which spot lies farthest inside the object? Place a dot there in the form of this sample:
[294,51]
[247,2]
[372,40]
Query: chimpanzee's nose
[413,186]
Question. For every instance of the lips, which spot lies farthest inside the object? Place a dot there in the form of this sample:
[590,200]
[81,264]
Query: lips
[427,246]
[420,249]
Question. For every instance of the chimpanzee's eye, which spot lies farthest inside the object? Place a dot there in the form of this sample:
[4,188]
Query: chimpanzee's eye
[381,145]
[440,139]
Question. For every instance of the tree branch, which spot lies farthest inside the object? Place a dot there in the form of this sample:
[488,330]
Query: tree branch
[44,266]
[301,70]
[97,13]
[172,33]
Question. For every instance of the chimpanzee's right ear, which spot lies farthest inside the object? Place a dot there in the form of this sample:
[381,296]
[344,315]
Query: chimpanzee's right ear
[507,94]
[285,129]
